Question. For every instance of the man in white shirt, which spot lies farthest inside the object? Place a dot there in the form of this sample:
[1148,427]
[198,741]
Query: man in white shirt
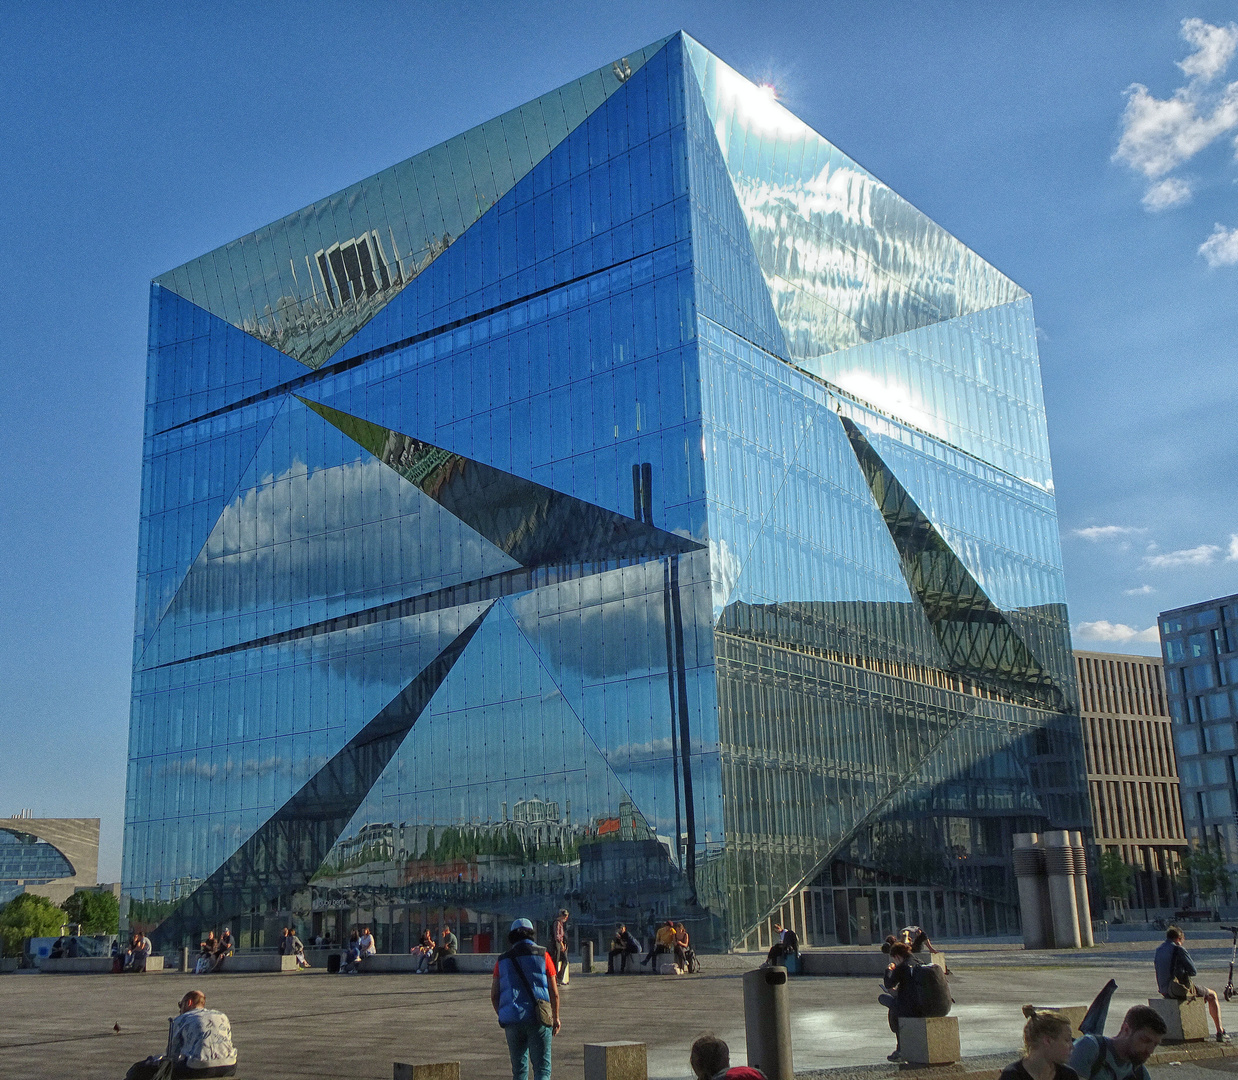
[199,1043]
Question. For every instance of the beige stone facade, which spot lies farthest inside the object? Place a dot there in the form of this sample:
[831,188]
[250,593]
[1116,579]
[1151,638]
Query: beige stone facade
[1132,773]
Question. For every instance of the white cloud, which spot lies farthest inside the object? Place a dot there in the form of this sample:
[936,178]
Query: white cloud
[1214,48]
[1204,555]
[1232,556]
[1142,590]
[1166,193]
[1221,248]
[1103,630]
[1096,533]
[1159,134]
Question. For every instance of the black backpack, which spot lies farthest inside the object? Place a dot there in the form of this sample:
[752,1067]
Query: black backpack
[932,990]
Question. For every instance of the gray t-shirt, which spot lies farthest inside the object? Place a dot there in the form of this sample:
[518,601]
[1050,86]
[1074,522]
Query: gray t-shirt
[1086,1059]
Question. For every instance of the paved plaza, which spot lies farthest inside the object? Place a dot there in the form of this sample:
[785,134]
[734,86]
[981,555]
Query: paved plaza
[317,1025]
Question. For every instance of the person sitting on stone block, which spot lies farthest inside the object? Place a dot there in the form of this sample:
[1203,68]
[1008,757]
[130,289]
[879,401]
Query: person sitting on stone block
[912,990]
[1174,969]
[623,945]
[199,1044]
[1122,1057]
[1047,1046]
[711,1060]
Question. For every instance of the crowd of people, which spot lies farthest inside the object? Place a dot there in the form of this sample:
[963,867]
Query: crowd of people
[525,996]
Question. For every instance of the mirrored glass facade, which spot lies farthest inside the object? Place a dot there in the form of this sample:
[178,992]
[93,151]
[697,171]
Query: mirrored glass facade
[1199,645]
[669,530]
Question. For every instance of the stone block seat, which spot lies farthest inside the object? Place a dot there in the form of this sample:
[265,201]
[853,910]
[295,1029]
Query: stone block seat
[929,1040]
[1185,1021]
[1073,1013]
[616,1061]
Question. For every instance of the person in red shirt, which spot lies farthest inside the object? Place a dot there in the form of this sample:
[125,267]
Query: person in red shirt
[711,1060]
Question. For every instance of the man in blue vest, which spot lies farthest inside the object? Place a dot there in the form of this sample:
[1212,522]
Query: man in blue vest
[525,996]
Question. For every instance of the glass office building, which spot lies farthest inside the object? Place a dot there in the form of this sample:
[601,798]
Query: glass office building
[630,504]
[1199,644]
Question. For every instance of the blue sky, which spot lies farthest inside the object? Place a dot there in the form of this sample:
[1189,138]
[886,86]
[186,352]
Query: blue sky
[135,140]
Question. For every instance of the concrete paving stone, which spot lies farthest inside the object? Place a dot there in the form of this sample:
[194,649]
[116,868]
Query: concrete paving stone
[313,1025]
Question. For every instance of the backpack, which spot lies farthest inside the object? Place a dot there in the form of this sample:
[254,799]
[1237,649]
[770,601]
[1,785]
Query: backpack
[932,990]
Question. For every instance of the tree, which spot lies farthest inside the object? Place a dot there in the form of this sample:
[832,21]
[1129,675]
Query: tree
[1115,876]
[27,916]
[1205,874]
[97,912]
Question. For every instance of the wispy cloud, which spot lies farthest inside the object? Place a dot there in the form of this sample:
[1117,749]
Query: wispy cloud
[1203,555]
[1232,555]
[1103,630]
[1221,248]
[1097,533]
[1161,134]
[1166,193]
[1142,590]
[1214,48]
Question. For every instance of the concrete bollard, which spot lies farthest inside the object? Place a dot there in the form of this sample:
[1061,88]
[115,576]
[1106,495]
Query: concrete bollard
[1060,872]
[1081,890]
[185,958]
[1029,869]
[438,1070]
[616,1061]
[767,1022]
[586,957]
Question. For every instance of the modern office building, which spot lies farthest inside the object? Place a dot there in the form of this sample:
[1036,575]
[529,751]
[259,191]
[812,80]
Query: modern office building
[1132,772]
[631,504]
[51,857]
[1199,644]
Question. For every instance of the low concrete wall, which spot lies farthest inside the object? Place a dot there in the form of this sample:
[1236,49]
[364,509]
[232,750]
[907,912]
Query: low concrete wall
[8,964]
[248,963]
[856,961]
[92,965]
[395,963]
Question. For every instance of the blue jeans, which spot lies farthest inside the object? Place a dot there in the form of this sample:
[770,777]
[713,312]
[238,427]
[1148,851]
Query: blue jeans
[525,1041]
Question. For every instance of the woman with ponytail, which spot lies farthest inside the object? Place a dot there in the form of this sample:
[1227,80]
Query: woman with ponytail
[1047,1042]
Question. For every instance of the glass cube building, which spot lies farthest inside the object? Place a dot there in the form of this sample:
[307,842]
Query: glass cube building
[630,504]
[1199,644]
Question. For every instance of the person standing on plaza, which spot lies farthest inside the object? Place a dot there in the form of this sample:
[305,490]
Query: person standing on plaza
[1047,1046]
[1174,969]
[1122,1057]
[559,932]
[525,996]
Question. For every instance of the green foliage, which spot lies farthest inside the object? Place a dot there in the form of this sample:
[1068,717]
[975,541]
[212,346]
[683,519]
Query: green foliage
[28,916]
[1205,874]
[98,912]
[1115,876]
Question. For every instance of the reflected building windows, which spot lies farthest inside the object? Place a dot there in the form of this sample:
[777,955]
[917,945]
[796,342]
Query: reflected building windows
[567,541]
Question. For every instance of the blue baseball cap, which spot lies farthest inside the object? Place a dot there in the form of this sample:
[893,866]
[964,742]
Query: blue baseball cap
[522,924]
